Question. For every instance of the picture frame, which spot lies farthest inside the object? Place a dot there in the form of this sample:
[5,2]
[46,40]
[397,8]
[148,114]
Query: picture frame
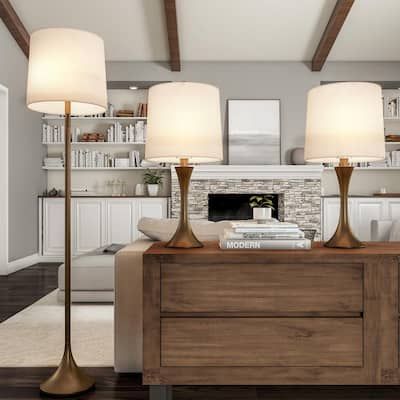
[254,132]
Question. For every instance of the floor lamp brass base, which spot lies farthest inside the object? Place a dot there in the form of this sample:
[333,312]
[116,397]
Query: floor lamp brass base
[68,380]
[344,237]
[184,238]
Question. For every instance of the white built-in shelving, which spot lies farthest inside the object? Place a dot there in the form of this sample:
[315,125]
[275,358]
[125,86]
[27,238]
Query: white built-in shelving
[95,143]
[105,168]
[97,118]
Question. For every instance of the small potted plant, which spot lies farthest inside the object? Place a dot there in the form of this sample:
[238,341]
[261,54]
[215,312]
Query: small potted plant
[262,206]
[153,180]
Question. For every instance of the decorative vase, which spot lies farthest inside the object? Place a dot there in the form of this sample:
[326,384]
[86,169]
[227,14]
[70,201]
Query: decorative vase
[140,189]
[152,189]
[298,156]
[262,214]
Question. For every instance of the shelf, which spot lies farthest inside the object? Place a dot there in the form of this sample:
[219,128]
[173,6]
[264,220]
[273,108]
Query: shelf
[96,144]
[105,168]
[99,118]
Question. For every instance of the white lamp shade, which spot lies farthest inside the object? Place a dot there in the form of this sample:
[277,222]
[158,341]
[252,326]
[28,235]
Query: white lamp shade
[66,65]
[345,120]
[184,121]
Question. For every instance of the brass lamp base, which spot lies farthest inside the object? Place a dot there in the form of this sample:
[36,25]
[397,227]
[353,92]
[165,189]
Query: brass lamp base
[184,238]
[68,380]
[343,236]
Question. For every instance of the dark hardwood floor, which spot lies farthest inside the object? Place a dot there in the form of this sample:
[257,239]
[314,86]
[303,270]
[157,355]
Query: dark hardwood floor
[23,383]
[24,287]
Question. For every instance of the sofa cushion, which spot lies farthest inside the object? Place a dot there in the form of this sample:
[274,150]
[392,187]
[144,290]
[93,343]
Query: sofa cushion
[163,229]
[89,272]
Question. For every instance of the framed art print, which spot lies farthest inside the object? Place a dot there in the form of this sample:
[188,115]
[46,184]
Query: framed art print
[254,132]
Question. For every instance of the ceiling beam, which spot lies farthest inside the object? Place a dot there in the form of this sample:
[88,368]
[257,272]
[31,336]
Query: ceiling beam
[335,23]
[14,25]
[172,31]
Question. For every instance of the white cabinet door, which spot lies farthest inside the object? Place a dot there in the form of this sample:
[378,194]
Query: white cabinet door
[89,225]
[365,211]
[53,227]
[152,208]
[121,217]
[393,209]
[330,218]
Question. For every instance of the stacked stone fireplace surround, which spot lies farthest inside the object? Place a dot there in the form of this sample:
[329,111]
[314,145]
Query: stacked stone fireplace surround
[300,193]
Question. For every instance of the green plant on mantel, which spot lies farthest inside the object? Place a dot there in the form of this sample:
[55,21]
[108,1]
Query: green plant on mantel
[261,201]
[152,178]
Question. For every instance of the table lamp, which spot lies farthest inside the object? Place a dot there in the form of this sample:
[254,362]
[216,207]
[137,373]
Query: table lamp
[66,75]
[344,125]
[184,126]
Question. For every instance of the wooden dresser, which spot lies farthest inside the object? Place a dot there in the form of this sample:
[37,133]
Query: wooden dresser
[227,317]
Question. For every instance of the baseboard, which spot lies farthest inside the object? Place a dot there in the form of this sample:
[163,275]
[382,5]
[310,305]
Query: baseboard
[51,259]
[21,263]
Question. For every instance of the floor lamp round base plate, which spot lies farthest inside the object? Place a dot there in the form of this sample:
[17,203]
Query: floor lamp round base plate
[68,380]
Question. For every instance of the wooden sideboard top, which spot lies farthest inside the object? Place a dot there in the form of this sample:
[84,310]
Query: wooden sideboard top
[211,248]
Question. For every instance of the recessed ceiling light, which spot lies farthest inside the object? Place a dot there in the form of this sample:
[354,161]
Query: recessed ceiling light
[133,87]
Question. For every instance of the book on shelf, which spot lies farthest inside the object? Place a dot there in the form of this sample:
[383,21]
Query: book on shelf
[116,133]
[142,110]
[53,162]
[125,113]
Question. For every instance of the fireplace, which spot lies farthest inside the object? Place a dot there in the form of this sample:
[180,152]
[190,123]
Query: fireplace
[235,206]
[298,190]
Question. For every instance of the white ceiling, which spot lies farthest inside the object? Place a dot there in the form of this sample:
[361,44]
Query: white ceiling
[225,30]
[371,32]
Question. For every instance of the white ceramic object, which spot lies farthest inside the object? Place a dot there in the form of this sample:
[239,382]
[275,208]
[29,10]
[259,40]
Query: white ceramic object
[152,189]
[262,213]
[139,189]
[298,156]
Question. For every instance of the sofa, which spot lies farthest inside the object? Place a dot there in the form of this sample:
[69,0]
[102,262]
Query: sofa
[128,335]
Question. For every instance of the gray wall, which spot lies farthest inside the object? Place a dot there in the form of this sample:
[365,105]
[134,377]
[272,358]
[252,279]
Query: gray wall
[287,81]
[26,178]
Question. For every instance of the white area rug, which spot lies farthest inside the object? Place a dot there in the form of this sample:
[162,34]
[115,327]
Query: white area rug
[35,336]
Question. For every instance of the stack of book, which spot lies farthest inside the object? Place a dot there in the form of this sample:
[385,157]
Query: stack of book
[125,113]
[274,236]
[53,162]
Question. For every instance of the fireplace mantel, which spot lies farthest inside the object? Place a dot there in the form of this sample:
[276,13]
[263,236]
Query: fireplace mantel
[206,172]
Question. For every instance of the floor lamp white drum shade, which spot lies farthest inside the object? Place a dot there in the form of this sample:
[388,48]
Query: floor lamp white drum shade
[184,122]
[66,65]
[345,121]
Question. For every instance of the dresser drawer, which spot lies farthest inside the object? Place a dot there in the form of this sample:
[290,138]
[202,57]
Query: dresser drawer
[305,342]
[262,288]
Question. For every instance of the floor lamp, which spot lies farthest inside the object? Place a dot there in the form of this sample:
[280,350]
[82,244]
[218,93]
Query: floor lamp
[66,75]
[184,126]
[345,125]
